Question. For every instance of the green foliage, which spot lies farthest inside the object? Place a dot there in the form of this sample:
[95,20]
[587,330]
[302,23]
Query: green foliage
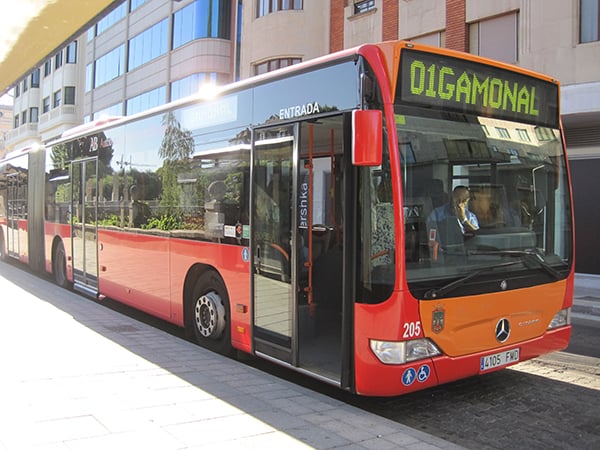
[166,222]
[112,220]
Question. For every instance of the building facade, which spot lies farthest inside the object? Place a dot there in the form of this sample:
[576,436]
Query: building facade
[6,124]
[148,52]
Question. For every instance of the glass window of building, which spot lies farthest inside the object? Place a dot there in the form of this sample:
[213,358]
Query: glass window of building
[72,53]
[56,98]
[590,18]
[361,6]
[147,100]
[109,66]
[47,67]
[202,19]
[265,7]
[148,45]
[496,38]
[135,4]
[191,84]
[34,114]
[274,64]
[45,105]
[111,18]
[111,111]
[35,78]
[24,117]
[69,95]
[58,60]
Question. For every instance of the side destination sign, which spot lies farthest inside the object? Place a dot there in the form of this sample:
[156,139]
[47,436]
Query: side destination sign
[433,80]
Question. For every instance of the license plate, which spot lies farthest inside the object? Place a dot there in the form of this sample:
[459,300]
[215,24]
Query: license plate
[499,359]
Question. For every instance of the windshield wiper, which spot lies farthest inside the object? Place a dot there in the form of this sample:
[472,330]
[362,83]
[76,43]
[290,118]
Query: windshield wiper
[527,256]
[439,292]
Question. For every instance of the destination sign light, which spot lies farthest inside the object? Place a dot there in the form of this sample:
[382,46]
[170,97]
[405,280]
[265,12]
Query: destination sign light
[447,83]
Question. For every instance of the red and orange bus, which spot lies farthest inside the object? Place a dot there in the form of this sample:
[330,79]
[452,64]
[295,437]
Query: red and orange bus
[304,216]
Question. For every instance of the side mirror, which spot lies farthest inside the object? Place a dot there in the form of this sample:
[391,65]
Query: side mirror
[367,137]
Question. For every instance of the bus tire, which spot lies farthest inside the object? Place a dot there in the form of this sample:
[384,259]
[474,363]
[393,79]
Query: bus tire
[59,266]
[209,313]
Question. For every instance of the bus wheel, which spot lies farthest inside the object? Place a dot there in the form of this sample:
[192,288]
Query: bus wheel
[59,266]
[210,314]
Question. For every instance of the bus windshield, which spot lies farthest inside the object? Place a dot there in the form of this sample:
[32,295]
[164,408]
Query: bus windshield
[484,199]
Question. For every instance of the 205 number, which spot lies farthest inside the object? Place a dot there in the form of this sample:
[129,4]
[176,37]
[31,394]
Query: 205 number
[411,330]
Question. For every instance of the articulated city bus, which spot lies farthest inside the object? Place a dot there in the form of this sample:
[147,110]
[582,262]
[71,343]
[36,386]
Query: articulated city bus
[385,219]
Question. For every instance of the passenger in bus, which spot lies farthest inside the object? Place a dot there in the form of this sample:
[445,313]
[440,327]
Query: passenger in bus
[450,224]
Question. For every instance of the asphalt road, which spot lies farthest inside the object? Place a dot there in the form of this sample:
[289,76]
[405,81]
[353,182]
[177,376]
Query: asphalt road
[552,402]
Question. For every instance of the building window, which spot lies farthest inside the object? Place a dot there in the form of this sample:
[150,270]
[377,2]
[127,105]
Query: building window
[47,68]
[112,18]
[16,120]
[72,53]
[17,90]
[33,114]
[148,45]
[361,6]
[145,101]
[265,7]
[25,85]
[69,95]
[89,77]
[109,66]
[56,99]
[111,111]
[496,38]
[503,132]
[24,117]
[202,19]
[274,64]
[523,134]
[191,84]
[135,4]
[58,60]
[590,18]
[45,105]
[35,78]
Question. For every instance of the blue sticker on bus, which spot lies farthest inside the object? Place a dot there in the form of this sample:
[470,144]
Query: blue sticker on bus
[408,377]
[423,373]
[245,254]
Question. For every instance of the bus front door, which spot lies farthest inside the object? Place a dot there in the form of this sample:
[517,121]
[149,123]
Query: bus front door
[297,247]
[274,258]
[84,225]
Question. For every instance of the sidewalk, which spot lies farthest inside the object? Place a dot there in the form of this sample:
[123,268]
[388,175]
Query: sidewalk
[76,375]
[586,299]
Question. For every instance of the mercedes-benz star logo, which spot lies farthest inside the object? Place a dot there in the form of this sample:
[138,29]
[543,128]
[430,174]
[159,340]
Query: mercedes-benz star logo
[502,330]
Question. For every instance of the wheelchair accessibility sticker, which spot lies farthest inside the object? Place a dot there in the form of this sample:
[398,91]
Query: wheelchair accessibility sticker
[421,375]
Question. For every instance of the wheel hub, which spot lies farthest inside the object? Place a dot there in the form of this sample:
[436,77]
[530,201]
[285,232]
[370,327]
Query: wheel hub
[210,315]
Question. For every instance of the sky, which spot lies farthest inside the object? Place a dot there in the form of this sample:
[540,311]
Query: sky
[6,100]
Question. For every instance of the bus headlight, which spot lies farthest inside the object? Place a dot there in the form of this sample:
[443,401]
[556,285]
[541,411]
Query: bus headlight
[392,352]
[562,318]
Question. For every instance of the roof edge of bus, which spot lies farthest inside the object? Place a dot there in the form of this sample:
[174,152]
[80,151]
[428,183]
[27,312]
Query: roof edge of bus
[478,59]
[22,151]
[89,126]
[218,90]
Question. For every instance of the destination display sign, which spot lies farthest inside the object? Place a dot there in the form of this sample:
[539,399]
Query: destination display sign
[448,83]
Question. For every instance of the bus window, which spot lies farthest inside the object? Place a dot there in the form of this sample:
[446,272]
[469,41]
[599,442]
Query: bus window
[515,196]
